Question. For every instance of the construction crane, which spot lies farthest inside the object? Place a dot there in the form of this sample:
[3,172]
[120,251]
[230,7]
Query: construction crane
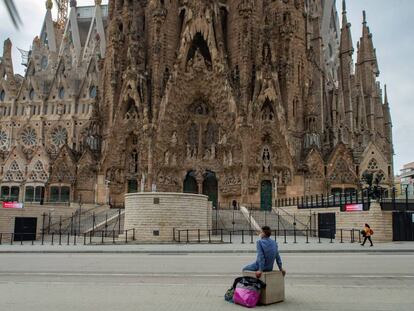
[62,6]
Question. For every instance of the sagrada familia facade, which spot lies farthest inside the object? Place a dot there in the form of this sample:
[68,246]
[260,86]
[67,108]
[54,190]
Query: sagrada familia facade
[245,100]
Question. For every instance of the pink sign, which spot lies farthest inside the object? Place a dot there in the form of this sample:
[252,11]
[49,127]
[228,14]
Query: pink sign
[354,207]
[12,205]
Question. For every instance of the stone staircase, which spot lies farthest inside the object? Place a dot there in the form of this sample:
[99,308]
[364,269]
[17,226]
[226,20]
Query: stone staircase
[230,220]
[88,218]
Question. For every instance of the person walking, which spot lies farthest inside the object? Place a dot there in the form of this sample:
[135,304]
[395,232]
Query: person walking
[367,232]
[267,253]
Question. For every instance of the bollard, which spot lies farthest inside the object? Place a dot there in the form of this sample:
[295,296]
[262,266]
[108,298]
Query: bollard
[60,237]
[126,237]
[74,239]
[251,236]
[32,241]
[242,236]
[103,237]
[11,239]
[294,235]
[21,239]
[84,238]
[113,236]
[179,236]
[284,233]
[53,235]
[307,236]
[352,235]
[187,237]
[209,236]
[133,234]
[198,236]
[1,238]
[221,235]
[230,237]
[90,237]
[319,236]
[68,237]
[359,236]
[342,240]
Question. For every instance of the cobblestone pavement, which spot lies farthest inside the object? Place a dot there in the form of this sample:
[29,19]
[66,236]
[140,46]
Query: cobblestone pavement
[370,281]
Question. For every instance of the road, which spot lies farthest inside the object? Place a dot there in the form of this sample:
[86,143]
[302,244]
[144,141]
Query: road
[170,282]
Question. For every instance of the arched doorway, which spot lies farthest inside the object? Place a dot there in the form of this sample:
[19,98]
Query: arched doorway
[190,183]
[266,195]
[210,187]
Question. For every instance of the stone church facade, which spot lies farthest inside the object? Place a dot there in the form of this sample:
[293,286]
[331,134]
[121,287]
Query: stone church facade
[246,100]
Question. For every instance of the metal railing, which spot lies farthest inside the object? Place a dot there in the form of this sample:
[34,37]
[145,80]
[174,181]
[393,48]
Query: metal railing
[66,238]
[212,236]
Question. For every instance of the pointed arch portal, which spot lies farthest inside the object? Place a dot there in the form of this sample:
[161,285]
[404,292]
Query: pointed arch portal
[210,187]
[190,183]
[266,195]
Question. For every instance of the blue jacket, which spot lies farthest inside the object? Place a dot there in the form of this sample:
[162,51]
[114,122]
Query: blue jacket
[267,253]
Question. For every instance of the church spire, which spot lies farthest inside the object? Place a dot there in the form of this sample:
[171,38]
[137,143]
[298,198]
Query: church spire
[387,117]
[346,71]
[346,45]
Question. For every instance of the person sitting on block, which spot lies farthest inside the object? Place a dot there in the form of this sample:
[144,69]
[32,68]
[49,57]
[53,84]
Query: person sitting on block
[267,253]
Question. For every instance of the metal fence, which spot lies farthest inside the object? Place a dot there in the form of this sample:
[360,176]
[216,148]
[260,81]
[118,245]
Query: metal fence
[284,236]
[60,238]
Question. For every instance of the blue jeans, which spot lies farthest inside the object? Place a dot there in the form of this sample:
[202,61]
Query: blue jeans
[252,267]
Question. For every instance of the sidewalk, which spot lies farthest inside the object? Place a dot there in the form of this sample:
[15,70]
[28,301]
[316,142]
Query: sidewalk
[237,247]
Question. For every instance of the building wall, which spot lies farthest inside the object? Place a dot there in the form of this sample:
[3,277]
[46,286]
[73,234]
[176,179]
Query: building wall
[166,212]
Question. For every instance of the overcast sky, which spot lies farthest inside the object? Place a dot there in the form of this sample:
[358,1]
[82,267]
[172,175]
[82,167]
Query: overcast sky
[390,21]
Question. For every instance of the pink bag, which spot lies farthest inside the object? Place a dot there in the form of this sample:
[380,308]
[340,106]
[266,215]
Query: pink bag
[247,292]
[246,297]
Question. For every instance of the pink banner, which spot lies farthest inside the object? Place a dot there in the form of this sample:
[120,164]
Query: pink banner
[12,205]
[354,207]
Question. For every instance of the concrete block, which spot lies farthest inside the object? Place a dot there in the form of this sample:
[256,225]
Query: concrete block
[275,286]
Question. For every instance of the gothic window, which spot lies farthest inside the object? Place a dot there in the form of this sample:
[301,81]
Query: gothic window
[19,176]
[31,94]
[267,111]
[59,136]
[4,139]
[44,62]
[92,92]
[211,134]
[131,110]
[210,141]
[38,166]
[373,165]
[14,166]
[193,136]
[61,93]
[199,44]
[2,95]
[33,176]
[8,176]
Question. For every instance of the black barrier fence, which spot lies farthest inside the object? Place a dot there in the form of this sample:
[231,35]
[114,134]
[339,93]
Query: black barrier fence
[214,236]
[326,201]
[388,200]
[66,238]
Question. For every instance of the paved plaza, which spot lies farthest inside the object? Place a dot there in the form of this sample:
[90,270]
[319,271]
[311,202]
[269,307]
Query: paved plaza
[191,281]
